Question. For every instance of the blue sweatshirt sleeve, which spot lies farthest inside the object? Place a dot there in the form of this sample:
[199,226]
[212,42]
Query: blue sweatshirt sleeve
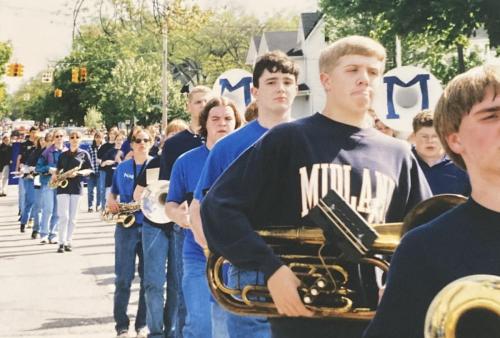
[239,201]
[401,312]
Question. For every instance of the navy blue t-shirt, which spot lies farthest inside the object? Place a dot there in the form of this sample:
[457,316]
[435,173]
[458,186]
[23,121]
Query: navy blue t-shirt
[173,148]
[464,241]
[185,175]
[224,152]
[124,181]
[279,179]
[445,177]
[69,160]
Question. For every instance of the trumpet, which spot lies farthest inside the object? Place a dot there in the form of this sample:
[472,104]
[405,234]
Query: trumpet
[61,178]
[324,258]
[124,215]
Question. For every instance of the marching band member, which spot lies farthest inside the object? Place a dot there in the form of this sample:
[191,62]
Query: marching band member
[68,197]
[219,118]
[280,178]
[275,87]
[46,165]
[464,241]
[175,311]
[128,243]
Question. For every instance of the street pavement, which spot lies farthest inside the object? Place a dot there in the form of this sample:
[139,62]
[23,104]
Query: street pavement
[48,294]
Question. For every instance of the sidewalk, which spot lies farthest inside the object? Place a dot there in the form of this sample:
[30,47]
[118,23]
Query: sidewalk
[48,294]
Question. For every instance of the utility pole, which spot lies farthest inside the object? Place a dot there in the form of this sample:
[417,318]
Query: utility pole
[164,70]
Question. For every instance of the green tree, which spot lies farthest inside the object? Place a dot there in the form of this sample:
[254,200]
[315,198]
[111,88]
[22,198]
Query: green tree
[93,118]
[5,53]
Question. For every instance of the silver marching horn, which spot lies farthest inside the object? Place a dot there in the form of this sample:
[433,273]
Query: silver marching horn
[153,202]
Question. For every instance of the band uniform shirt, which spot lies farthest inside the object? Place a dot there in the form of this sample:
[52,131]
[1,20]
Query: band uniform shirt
[464,241]
[224,152]
[174,147]
[124,181]
[185,175]
[280,178]
[444,177]
[68,161]
[5,154]
[26,148]
[110,169]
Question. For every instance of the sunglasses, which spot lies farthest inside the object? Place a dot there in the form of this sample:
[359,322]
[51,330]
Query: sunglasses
[139,140]
[58,136]
[73,137]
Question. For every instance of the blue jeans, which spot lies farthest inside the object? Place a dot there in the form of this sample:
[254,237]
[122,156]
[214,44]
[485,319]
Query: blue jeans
[175,309]
[101,188]
[219,321]
[20,186]
[197,299]
[155,250]
[49,218]
[246,326]
[127,247]
[93,182]
[29,200]
[37,208]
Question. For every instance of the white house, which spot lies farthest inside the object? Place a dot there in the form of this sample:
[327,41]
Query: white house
[304,47]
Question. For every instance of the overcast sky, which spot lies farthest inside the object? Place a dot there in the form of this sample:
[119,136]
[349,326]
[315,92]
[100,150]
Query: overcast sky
[40,30]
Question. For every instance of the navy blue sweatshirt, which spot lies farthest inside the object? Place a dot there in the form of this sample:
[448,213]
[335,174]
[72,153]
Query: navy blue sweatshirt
[464,241]
[175,147]
[281,177]
[445,177]
[69,160]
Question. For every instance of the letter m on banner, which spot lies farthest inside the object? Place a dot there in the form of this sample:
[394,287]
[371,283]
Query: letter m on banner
[236,85]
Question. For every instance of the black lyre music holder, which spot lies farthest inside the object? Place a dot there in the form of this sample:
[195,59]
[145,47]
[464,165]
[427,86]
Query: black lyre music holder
[343,226]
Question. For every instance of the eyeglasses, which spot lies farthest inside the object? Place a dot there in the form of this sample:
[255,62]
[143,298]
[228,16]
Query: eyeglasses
[58,136]
[73,137]
[139,140]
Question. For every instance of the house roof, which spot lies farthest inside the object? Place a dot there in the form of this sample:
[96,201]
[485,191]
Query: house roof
[256,41]
[285,41]
[309,20]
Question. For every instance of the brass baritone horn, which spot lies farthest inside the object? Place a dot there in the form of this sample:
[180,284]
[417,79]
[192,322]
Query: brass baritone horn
[322,268]
[467,307]
[125,214]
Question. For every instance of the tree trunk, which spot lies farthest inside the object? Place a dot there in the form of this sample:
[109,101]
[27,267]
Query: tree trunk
[461,61]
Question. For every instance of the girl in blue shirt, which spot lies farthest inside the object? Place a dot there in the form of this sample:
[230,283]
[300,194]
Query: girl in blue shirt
[219,118]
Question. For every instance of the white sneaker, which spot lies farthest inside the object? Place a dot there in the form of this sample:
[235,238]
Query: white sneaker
[44,240]
[122,334]
[142,333]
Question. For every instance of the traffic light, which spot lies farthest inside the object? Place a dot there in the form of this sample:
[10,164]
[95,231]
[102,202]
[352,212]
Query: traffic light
[83,74]
[74,75]
[58,92]
[10,69]
[20,69]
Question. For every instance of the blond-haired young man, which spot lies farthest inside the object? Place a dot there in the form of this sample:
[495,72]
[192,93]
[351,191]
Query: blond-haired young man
[279,179]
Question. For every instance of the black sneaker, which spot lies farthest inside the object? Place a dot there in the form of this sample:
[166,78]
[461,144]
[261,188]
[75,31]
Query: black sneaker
[61,249]
[22,227]
[91,210]
[68,247]
[34,234]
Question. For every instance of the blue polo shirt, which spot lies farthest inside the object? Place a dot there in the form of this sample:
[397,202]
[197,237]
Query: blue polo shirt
[185,174]
[445,177]
[225,151]
[123,184]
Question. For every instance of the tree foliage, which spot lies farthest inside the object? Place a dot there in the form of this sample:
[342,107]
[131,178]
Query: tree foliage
[93,118]
[425,40]
[5,53]
[122,53]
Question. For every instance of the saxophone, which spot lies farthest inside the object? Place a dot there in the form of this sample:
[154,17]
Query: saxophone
[124,215]
[62,177]
[465,308]
[325,270]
